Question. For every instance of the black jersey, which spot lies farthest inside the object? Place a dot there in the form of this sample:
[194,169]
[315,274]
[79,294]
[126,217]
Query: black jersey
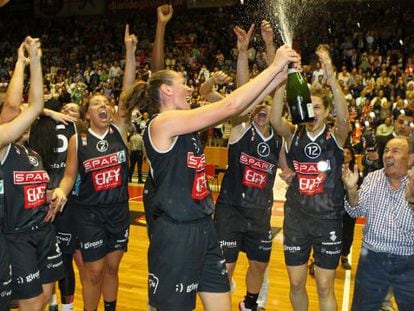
[103,168]
[57,168]
[317,188]
[181,191]
[25,184]
[252,164]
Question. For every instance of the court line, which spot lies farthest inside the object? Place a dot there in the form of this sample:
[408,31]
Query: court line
[135,198]
[347,286]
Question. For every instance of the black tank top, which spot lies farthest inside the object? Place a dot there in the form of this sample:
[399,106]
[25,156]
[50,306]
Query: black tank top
[181,191]
[317,188]
[25,184]
[103,168]
[252,164]
[57,168]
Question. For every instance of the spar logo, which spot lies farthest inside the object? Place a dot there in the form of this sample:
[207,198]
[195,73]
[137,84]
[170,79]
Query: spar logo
[34,187]
[200,188]
[256,163]
[198,163]
[311,180]
[104,161]
[30,177]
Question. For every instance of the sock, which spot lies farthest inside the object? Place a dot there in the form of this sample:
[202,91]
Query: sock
[250,300]
[110,306]
[53,300]
[67,306]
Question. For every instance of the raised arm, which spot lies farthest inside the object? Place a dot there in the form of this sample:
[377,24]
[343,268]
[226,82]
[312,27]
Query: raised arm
[14,94]
[267,36]
[130,41]
[177,122]
[282,126]
[121,117]
[12,130]
[341,127]
[164,14]
[243,40]
[206,89]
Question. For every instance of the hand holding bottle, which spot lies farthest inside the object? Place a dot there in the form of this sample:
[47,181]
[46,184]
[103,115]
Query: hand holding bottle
[285,55]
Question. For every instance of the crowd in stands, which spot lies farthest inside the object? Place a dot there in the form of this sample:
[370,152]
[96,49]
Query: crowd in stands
[373,54]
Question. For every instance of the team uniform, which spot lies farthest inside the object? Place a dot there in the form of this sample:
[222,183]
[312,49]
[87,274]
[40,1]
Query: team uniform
[5,268]
[102,204]
[314,200]
[31,242]
[64,221]
[244,206]
[184,256]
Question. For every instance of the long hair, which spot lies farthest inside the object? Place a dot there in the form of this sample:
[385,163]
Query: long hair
[145,96]
[43,140]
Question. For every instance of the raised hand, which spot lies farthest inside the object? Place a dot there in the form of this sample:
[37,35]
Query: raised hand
[243,38]
[267,32]
[285,55]
[165,13]
[326,62]
[32,46]
[130,40]
[350,178]
[221,77]
[21,54]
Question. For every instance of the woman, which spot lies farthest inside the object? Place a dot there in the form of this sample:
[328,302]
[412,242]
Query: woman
[184,256]
[100,156]
[54,152]
[314,200]
[9,132]
[30,237]
[244,206]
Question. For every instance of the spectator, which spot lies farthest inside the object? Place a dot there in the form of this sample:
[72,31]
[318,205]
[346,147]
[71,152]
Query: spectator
[387,255]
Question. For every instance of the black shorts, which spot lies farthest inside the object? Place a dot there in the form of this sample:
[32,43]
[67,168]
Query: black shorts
[184,259]
[36,259]
[66,228]
[245,230]
[301,233]
[5,276]
[102,230]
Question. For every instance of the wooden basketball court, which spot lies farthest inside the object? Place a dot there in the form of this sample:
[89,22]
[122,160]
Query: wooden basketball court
[133,271]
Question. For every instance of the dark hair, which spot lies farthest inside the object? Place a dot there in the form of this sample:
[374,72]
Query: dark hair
[43,140]
[145,96]
[352,162]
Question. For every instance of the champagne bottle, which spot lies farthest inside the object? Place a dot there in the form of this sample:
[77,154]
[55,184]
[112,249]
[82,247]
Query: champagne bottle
[298,97]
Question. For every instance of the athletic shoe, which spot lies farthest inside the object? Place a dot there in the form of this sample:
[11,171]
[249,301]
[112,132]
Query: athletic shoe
[53,308]
[243,308]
